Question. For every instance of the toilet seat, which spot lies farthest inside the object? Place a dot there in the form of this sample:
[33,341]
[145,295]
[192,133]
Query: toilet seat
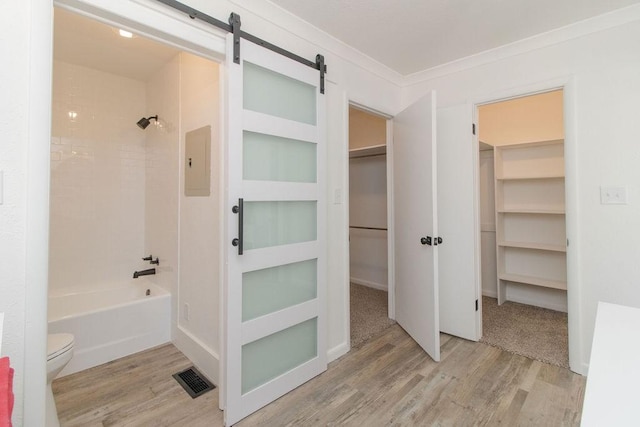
[58,344]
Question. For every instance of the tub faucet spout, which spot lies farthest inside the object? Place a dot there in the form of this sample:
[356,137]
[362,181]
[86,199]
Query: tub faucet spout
[137,274]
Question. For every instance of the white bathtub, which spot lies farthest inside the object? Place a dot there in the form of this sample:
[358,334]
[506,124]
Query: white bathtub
[111,322]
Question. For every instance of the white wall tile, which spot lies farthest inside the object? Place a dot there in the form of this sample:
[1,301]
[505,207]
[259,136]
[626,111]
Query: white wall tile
[97,177]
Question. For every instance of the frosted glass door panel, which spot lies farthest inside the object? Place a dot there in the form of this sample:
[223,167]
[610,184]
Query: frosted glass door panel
[278,223]
[272,93]
[273,355]
[272,158]
[272,289]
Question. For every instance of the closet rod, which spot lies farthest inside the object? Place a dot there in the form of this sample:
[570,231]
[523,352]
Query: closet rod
[367,228]
[368,155]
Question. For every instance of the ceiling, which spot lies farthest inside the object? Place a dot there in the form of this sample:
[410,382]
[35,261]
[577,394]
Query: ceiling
[83,41]
[407,36]
[414,35]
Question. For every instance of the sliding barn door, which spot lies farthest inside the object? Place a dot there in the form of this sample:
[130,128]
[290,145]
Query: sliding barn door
[275,289]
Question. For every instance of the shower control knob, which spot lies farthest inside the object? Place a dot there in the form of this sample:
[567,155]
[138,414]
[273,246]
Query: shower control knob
[235,242]
[426,240]
[235,209]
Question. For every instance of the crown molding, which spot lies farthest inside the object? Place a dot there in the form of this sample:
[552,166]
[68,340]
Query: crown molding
[579,29]
[298,27]
[304,30]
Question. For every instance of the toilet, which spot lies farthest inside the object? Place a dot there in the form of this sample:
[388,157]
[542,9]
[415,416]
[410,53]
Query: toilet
[59,353]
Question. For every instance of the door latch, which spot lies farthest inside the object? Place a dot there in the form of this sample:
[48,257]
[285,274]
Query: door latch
[428,241]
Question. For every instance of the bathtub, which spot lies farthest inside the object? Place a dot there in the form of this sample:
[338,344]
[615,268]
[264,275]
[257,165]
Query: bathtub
[111,322]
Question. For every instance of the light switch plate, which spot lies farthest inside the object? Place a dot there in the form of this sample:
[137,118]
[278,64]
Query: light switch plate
[613,195]
[337,196]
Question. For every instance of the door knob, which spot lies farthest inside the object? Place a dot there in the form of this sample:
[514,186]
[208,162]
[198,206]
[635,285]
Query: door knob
[426,240]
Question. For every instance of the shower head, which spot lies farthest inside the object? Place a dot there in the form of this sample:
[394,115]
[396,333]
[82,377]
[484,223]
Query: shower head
[144,122]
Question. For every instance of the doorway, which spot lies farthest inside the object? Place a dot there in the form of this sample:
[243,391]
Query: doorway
[368,226]
[523,227]
[118,190]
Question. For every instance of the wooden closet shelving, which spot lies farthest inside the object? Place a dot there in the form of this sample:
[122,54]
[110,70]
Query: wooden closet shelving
[530,215]
[372,150]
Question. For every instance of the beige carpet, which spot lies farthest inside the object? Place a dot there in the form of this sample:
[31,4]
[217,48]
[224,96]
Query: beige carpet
[533,332]
[369,314]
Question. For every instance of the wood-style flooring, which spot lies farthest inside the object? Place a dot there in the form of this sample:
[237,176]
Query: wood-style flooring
[388,381]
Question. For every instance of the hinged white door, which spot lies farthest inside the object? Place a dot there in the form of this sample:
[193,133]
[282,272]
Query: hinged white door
[458,269]
[415,224]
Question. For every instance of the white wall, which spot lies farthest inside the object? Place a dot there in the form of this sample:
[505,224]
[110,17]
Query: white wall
[605,67]
[527,119]
[200,221]
[14,131]
[366,129]
[97,220]
[25,30]
[368,208]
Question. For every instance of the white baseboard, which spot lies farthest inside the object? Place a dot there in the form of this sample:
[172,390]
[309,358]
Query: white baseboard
[528,301]
[338,351]
[538,303]
[490,294]
[204,358]
[369,284]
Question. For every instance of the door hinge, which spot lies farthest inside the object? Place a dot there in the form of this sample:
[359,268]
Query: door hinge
[473,128]
[476,305]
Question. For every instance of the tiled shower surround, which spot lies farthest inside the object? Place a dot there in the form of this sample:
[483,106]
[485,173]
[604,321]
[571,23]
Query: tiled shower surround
[97,177]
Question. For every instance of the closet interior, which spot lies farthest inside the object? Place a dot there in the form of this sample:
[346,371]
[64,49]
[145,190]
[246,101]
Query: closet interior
[522,211]
[368,245]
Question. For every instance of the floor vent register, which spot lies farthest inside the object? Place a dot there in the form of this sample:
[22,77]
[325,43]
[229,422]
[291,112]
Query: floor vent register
[193,382]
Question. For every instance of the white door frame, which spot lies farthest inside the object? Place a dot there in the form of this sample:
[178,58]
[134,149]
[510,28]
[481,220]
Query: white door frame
[567,84]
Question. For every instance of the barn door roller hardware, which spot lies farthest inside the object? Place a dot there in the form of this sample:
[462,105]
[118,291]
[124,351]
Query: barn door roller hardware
[234,27]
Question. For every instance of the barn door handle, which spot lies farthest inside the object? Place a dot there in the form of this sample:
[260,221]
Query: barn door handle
[238,209]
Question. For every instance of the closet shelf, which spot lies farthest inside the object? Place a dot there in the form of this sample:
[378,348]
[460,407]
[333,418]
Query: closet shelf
[537,281]
[374,150]
[531,211]
[532,245]
[529,178]
[361,227]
